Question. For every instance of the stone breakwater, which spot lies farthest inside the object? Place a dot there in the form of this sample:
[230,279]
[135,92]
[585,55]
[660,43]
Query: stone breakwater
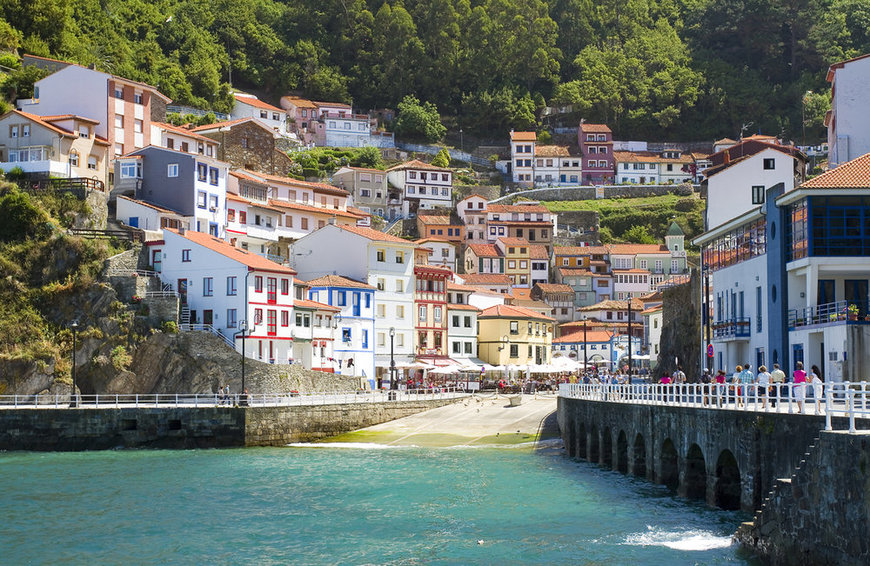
[193,427]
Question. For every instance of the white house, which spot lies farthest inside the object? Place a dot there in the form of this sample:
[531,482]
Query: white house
[461,324]
[441,252]
[182,139]
[354,301]
[424,186]
[523,157]
[378,259]
[848,121]
[472,212]
[222,286]
[249,106]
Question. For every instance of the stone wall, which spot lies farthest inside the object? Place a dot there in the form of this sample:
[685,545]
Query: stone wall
[610,191]
[681,329]
[190,427]
[821,513]
[278,426]
[258,154]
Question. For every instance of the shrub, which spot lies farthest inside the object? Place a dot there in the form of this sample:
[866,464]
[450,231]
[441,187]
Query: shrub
[169,327]
[120,358]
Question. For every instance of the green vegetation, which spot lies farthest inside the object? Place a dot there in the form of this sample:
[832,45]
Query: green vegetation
[642,219]
[651,69]
[42,269]
[442,159]
[323,161]
[418,120]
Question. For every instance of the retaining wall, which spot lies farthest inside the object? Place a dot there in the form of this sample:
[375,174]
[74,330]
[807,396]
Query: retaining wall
[188,427]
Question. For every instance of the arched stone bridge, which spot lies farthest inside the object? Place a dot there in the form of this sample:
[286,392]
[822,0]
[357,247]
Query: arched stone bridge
[728,458]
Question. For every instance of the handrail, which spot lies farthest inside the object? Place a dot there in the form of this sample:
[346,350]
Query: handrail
[188,327]
[835,399]
[195,400]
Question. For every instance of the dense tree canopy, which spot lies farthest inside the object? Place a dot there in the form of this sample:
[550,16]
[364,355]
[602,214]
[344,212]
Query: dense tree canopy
[655,69]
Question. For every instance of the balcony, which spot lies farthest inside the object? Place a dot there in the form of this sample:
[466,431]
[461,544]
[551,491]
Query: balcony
[732,329]
[829,313]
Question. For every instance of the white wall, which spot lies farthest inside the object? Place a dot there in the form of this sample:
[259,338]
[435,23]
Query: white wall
[849,105]
[74,90]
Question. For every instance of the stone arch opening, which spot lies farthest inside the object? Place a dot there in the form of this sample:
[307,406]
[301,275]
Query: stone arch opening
[696,473]
[670,466]
[639,463]
[593,445]
[581,441]
[622,453]
[727,493]
[607,448]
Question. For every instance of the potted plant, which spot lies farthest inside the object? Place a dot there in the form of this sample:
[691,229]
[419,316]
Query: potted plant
[853,311]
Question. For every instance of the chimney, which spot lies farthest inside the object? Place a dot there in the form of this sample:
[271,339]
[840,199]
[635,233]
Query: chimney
[727,157]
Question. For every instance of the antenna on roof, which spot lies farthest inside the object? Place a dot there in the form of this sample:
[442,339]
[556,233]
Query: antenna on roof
[745,127]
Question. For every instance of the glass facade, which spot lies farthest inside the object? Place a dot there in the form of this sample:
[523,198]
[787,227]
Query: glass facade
[834,226]
[740,244]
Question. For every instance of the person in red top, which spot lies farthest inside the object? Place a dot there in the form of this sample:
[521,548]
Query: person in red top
[720,386]
[800,385]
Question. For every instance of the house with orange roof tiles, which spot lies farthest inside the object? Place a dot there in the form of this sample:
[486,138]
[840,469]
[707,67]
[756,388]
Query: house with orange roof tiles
[440,252]
[847,121]
[122,108]
[249,106]
[530,221]
[442,226]
[184,139]
[596,147]
[493,282]
[513,335]
[54,146]
[377,259]
[523,157]
[483,259]
[333,124]
[423,185]
[559,297]
[227,290]
[517,256]
[472,212]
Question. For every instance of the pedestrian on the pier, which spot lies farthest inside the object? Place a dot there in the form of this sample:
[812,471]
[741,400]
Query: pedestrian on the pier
[800,385]
[816,382]
[746,382]
[706,381]
[777,379]
[721,386]
[762,381]
[735,382]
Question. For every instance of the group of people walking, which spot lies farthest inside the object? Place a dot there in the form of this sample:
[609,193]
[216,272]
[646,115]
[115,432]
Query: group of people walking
[765,386]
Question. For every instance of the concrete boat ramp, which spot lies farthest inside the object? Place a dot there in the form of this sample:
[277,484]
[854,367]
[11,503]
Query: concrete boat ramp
[476,421]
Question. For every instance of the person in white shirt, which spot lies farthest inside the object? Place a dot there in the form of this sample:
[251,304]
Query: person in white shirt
[763,382]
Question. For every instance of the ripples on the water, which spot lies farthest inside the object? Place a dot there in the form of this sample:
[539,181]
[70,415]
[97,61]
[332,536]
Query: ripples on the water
[348,504]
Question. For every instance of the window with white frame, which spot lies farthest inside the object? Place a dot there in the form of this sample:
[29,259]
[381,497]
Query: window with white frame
[172,171]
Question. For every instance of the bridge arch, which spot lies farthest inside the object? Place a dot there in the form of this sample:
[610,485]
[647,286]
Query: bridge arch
[727,487]
[593,445]
[695,478]
[622,453]
[669,465]
[581,441]
[638,464]
[607,448]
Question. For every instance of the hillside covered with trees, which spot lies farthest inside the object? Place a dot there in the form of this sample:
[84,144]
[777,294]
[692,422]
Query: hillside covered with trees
[651,69]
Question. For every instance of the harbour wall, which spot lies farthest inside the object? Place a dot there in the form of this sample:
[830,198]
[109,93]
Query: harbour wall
[192,427]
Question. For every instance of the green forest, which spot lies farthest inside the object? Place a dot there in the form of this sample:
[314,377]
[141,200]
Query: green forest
[651,69]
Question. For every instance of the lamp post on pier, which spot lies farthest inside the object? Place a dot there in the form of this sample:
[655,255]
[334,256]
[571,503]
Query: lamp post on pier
[75,398]
[585,357]
[393,385]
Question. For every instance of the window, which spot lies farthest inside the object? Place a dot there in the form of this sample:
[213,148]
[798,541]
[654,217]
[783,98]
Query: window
[231,215]
[185,255]
[264,115]
[757,194]
[200,199]
[201,171]
[304,223]
[25,131]
[137,126]
[92,162]
[119,92]
[231,318]
[258,284]
[74,158]
[207,286]
[213,176]
[467,322]
[422,315]
[436,313]
[232,290]
[515,327]
[172,170]
[514,351]
[13,131]
[212,202]
[119,149]
[400,286]
[345,335]
[285,286]
[342,298]
[400,257]
[381,285]
[272,322]
[243,217]
[271,289]
[457,347]
[381,254]
[381,311]
[769,163]
[400,311]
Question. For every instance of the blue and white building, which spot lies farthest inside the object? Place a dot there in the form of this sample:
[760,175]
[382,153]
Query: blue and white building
[354,346]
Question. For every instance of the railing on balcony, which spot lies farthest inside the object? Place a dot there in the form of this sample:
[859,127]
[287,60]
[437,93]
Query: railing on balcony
[76,185]
[739,327]
[829,313]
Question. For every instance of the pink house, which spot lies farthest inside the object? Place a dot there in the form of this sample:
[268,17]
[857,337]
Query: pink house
[596,147]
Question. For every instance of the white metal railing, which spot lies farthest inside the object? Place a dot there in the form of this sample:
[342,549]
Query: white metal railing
[193,400]
[841,399]
[188,327]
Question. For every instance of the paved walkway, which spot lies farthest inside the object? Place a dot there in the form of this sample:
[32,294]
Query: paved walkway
[478,420]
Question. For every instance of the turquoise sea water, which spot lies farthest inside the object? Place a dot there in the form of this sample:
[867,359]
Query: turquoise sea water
[346,504]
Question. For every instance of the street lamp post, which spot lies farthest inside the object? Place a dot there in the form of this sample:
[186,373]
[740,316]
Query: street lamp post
[629,336]
[585,357]
[75,398]
[243,327]
[393,385]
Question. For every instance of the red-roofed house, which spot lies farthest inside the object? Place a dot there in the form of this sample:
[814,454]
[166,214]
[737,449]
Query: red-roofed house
[511,335]
[472,212]
[221,286]
[532,222]
[249,106]
[54,146]
[559,297]
[423,185]
[596,146]
[523,157]
[248,143]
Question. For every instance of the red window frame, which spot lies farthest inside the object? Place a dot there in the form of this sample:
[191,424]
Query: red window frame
[258,316]
[285,318]
[258,283]
[243,217]
[271,290]
[271,322]
[285,286]
[231,215]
